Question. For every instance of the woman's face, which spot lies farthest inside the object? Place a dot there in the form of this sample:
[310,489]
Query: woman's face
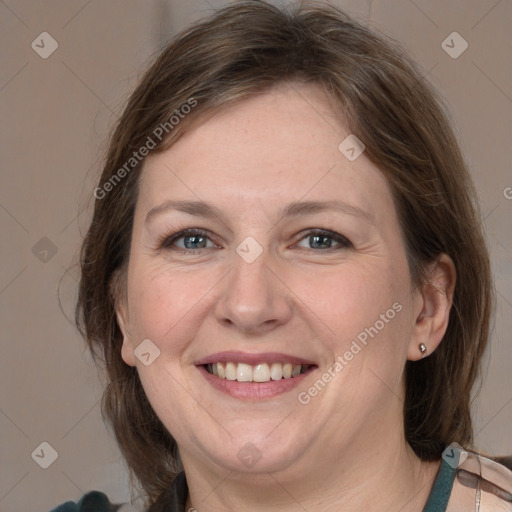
[299,266]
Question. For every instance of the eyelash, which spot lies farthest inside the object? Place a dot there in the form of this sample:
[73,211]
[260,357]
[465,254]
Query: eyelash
[166,241]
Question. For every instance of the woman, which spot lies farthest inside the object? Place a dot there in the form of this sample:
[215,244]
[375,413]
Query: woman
[286,277]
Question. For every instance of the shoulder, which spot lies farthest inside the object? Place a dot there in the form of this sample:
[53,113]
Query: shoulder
[484,481]
[92,501]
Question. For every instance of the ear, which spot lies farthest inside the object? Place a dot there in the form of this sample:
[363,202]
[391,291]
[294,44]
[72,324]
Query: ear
[120,299]
[433,302]
[126,348]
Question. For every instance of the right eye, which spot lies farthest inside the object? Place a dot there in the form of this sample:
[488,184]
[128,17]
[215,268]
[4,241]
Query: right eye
[193,240]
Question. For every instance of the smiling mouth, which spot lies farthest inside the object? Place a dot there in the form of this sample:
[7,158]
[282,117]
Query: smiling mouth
[262,372]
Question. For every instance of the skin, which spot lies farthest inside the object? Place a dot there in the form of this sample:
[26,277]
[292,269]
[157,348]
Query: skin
[346,448]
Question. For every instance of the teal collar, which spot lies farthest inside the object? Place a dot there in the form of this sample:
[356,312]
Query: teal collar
[442,489]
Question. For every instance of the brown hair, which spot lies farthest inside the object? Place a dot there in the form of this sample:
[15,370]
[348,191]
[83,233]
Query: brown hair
[243,50]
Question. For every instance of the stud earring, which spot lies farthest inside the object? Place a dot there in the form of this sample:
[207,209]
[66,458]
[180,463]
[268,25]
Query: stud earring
[423,348]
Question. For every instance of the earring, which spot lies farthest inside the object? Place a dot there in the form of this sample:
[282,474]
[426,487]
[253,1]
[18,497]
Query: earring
[423,348]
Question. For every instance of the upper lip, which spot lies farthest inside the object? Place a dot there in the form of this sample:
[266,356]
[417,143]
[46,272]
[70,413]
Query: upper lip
[253,358]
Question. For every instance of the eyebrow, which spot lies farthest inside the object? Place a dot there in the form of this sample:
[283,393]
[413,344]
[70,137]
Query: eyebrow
[295,209]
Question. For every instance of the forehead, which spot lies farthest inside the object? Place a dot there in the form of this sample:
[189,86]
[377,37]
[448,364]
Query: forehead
[277,147]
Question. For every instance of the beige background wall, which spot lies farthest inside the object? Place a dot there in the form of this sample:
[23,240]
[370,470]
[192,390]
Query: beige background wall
[56,113]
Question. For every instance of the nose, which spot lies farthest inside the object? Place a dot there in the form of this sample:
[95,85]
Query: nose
[253,299]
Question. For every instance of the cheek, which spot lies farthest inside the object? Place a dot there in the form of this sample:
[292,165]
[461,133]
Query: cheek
[352,297]
[169,395]
[369,314]
[162,303]
[366,309]
[163,307]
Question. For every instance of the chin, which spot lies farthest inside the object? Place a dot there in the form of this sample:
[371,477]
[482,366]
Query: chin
[249,456]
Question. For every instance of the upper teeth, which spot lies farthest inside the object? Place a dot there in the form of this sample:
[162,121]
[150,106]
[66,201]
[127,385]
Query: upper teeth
[260,373]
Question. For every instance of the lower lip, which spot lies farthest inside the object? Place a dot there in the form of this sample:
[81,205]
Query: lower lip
[253,390]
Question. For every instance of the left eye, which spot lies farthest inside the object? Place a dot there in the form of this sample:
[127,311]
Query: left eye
[320,239]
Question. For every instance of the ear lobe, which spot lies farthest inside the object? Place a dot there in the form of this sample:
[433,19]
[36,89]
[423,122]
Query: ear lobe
[435,301]
[127,352]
